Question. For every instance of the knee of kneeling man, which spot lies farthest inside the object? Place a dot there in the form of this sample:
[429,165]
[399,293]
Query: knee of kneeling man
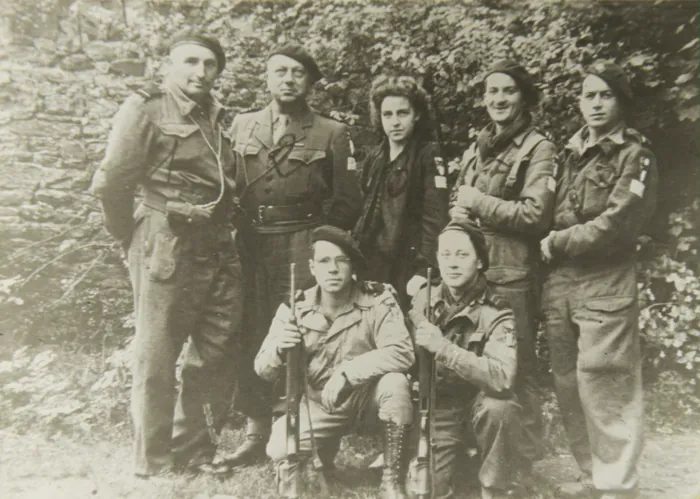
[276,449]
[393,382]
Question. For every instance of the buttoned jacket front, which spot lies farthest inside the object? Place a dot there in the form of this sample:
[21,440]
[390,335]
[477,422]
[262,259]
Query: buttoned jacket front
[606,194]
[310,164]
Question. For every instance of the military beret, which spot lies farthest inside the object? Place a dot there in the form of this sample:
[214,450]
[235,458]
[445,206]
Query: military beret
[299,54]
[520,75]
[476,236]
[189,37]
[341,238]
[615,77]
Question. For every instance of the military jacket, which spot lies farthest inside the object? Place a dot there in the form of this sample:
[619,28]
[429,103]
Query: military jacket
[606,193]
[367,340]
[168,144]
[311,164]
[514,208]
[482,351]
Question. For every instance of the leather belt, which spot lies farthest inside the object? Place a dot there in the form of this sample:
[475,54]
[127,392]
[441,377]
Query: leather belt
[285,213]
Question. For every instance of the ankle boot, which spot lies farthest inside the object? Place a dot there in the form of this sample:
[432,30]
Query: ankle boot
[394,461]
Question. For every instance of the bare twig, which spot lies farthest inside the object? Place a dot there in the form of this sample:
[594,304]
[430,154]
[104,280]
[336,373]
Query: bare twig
[80,278]
[54,260]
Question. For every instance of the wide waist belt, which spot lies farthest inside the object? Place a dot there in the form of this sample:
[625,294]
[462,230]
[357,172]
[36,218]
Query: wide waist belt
[187,209]
[285,213]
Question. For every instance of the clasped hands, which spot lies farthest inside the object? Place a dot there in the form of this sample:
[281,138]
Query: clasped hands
[338,383]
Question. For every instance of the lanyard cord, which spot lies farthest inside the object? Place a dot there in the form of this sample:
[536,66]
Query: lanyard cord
[217,155]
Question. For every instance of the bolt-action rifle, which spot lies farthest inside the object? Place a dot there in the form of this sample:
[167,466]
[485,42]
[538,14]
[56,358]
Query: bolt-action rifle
[422,466]
[289,484]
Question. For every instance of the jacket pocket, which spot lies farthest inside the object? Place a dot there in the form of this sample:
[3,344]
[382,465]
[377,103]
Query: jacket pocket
[598,184]
[163,258]
[509,258]
[182,130]
[298,158]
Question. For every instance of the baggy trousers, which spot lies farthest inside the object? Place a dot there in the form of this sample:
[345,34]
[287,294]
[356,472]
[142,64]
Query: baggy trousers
[187,284]
[267,258]
[388,399]
[591,318]
[496,424]
[522,296]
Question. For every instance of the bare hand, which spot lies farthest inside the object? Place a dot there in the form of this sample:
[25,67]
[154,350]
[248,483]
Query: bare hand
[289,337]
[546,248]
[414,285]
[332,391]
[459,213]
[466,195]
[427,335]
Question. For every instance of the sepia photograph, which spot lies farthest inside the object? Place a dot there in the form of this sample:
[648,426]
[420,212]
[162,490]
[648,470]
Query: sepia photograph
[349,249]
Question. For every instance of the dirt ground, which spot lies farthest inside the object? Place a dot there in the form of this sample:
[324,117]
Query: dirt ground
[59,468]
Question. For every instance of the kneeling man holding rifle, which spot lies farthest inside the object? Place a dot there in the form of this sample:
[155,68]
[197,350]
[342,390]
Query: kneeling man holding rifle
[356,350]
[470,333]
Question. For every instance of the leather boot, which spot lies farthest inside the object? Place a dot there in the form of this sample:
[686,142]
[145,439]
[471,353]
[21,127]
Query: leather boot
[395,437]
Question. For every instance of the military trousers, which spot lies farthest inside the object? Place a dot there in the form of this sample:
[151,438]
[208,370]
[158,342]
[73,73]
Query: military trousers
[591,316]
[523,299]
[388,399]
[496,425]
[187,285]
[266,260]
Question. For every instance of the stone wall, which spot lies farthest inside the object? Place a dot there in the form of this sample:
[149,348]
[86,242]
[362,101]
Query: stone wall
[56,106]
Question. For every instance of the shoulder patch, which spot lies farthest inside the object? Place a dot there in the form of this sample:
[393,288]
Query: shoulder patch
[150,91]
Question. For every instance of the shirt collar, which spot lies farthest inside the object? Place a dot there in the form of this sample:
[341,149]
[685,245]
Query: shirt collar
[581,141]
[187,105]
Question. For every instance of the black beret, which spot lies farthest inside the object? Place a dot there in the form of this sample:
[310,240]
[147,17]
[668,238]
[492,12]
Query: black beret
[299,54]
[197,38]
[341,238]
[615,77]
[520,75]
[476,236]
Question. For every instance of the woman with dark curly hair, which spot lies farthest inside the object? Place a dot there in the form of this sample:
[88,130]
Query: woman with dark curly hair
[405,187]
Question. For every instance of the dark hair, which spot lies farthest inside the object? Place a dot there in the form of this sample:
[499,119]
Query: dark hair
[385,86]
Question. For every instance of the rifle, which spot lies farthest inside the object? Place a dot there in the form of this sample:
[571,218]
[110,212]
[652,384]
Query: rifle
[289,484]
[422,467]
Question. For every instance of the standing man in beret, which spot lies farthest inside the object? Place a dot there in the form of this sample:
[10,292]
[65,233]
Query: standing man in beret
[357,351]
[606,194]
[472,335]
[298,173]
[507,185]
[184,267]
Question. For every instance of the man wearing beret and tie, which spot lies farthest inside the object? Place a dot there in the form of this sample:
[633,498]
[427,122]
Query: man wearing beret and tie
[298,173]
[184,267]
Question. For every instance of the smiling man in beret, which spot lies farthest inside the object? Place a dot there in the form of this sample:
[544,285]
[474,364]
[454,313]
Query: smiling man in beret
[297,173]
[184,267]
[357,351]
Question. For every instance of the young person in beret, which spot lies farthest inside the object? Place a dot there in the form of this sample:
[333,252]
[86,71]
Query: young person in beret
[606,193]
[507,185]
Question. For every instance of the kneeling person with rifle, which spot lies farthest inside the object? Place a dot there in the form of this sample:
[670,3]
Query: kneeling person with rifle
[356,351]
[471,335]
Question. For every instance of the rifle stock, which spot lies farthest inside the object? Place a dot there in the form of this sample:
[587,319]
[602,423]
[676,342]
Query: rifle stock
[421,469]
[289,473]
